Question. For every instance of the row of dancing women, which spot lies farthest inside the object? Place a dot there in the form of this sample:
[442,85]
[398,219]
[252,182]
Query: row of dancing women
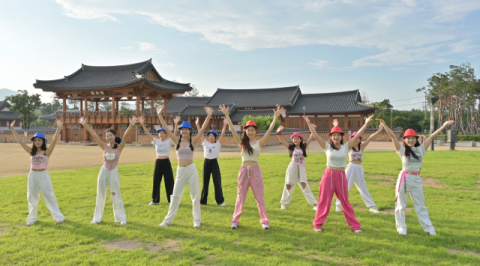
[337,178]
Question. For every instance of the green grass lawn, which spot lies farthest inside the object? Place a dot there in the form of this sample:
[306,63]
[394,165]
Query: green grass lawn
[454,210]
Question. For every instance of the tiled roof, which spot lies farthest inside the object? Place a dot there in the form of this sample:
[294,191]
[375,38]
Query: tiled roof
[197,110]
[177,104]
[325,103]
[9,115]
[4,104]
[50,116]
[103,77]
[285,96]
[239,114]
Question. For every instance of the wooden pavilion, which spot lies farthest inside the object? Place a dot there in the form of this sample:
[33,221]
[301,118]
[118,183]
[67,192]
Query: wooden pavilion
[140,82]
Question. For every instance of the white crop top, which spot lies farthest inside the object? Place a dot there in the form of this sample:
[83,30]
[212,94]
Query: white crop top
[256,152]
[336,158]
[411,164]
[211,150]
[162,147]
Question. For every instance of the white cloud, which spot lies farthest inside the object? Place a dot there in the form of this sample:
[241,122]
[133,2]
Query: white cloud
[407,31]
[398,68]
[126,48]
[149,47]
[320,64]
[473,56]
[462,46]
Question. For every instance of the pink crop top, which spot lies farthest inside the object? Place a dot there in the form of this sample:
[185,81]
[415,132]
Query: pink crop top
[356,156]
[184,153]
[297,157]
[110,160]
[38,162]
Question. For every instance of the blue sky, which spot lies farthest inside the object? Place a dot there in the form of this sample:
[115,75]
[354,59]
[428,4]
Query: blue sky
[384,48]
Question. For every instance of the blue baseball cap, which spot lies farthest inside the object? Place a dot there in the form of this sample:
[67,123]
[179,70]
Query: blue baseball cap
[213,131]
[161,129]
[186,125]
[39,135]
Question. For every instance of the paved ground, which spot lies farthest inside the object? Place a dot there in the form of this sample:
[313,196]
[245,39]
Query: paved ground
[15,161]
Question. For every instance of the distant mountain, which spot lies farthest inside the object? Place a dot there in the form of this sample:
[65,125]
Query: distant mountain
[6,92]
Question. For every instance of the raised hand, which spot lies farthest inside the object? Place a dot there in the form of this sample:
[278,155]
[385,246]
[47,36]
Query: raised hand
[380,127]
[449,122]
[335,122]
[176,119]
[83,120]
[382,122]
[12,125]
[306,119]
[160,108]
[197,121]
[279,111]
[59,123]
[223,109]
[313,126]
[369,119]
[279,130]
[208,110]
[140,119]
[133,120]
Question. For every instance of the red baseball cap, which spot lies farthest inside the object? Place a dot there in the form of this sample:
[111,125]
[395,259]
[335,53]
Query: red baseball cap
[296,134]
[409,133]
[336,129]
[250,123]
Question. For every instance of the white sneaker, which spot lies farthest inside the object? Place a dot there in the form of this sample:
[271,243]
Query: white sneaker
[234,226]
[315,207]
[59,222]
[31,223]
[338,208]
[152,203]
[318,230]
[358,231]
[374,210]
[94,222]
[283,207]
[196,224]
[403,233]
[432,233]
[222,205]
[265,226]
[123,222]
[164,224]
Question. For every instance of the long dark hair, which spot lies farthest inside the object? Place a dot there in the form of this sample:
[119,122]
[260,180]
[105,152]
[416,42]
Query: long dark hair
[359,147]
[333,145]
[117,139]
[180,140]
[291,147]
[34,148]
[409,152]
[245,145]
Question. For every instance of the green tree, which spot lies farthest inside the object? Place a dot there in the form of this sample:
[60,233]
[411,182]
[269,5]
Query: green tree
[50,108]
[25,104]
[263,122]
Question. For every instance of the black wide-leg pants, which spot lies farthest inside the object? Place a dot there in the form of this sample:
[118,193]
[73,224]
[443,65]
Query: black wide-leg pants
[162,168]
[210,167]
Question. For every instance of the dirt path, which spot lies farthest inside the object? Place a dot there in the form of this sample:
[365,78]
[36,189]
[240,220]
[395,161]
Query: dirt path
[15,161]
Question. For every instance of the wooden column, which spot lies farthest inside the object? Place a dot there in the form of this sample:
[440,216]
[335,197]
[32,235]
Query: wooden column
[143,107]
[152,113]
[137,103]
[64,127]
[113,112]
[165,110]
[81,108]
[96,106]
[85,131]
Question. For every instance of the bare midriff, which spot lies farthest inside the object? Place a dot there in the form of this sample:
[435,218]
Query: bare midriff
[249,163]
[162,157]
[184,163]
[356,162]
[337,168]
[39,170]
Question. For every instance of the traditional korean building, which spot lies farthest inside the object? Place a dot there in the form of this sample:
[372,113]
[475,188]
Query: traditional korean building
[137,82]
[7,116]
[321,108]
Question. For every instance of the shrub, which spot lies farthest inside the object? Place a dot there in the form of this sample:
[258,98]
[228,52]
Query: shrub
[263,122]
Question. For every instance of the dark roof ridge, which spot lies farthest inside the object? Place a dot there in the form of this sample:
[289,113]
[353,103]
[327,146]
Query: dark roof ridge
[323,93]
[143,63]
[289,87]
[295,96]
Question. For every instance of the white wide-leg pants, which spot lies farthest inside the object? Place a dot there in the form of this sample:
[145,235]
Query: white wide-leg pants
[107,178]
[40,181]
[185,175]
[355,175]
[297,174]
[415,189]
